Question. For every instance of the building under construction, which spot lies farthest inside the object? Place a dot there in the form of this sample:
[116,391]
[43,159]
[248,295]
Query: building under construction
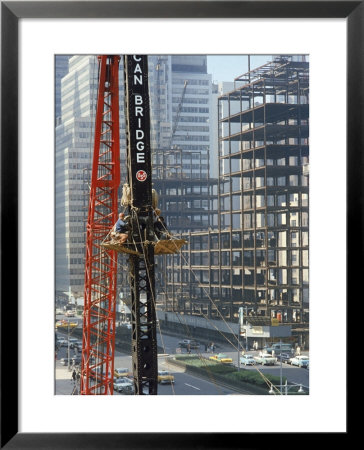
[257,256]
[186,197]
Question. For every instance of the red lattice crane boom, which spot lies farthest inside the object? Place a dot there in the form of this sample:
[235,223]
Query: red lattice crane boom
[98,344]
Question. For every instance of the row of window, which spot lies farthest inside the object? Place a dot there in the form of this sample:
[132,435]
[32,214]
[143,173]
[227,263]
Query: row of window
[259,220]
[249,200]
[195,82]
[273,258]
[234,146]
[273,277]
[247,239]
[191,100]
[239,182]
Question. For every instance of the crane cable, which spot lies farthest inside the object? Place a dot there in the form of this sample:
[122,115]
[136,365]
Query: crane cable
[270,384]
[208,296]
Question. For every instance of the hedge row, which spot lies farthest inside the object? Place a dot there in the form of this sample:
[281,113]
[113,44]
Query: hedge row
[230,373]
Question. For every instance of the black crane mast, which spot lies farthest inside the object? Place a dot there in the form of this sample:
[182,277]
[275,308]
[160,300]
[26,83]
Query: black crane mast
[141,266]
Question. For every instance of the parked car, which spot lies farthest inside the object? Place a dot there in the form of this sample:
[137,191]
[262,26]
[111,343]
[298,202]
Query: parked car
[221,357]
[62,342]
[165,377]
[186,342]
[121,383]
[300,361]
[247,360]
[285,357]
[64,361]
[279,348]
[265,359]
[123,372]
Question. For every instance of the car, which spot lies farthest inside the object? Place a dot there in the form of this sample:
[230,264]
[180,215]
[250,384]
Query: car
[121,383]
[65,324]
[75,343]
[123,372]
[285,357]
[265,359]
[191,343]
[70,313]
[279,348]
[64,361]
[221,357]
[165,377]
[300,361]
[247,360]
[62,342]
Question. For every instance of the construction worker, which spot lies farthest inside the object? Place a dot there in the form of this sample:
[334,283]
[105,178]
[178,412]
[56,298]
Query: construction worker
[120,230]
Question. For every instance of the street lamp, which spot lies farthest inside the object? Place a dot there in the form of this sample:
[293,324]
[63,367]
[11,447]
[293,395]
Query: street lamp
[240,331]
[287,387]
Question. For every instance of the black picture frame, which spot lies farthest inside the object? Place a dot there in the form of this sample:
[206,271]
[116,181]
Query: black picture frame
[11,12]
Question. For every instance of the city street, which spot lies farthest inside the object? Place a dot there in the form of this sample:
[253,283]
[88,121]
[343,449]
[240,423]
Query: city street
[185,384]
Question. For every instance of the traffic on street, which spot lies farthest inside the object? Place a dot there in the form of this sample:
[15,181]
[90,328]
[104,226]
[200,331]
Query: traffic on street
[68,360]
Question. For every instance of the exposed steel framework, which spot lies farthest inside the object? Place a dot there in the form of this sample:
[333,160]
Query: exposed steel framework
[101,264]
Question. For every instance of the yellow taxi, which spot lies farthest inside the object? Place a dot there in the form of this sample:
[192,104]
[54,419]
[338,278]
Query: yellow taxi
[65,324]
[121,372]
[165,377]
[221,357]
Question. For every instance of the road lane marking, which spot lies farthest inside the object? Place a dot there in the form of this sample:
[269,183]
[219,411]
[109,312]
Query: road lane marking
[194,387]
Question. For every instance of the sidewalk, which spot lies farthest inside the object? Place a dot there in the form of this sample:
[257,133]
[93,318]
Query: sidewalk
[62,373]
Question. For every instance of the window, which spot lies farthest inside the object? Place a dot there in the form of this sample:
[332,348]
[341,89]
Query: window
[259,201]
[236,240]
[236,202]
[260,220]
[225,258]
[248,220]
[282,239]
[282,219]
[237,258]
[295,257]
[270,200]
[295,276]
[282,258]
[236,221]
[214,258]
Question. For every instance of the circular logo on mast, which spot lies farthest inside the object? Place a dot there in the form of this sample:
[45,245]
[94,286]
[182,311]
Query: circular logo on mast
[141,175]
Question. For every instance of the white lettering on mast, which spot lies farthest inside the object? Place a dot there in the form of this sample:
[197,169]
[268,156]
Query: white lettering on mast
[139,112]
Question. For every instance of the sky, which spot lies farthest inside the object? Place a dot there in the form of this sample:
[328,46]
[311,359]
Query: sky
[228,67]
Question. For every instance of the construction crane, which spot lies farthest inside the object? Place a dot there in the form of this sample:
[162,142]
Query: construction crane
[178,114]
[98,340]
[97,370]
[141,234]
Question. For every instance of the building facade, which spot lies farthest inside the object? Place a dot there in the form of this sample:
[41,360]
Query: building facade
[257,257]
